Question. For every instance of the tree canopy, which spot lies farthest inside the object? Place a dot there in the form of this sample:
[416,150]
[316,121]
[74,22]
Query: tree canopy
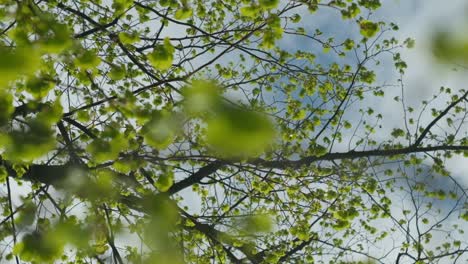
[221,131]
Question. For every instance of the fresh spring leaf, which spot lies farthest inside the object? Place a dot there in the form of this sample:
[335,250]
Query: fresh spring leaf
[239,132]
[201,96]
[6,107]
[183,13]
[268,4]
[15,63]
[165,181]
[368,28]
[161,130]
[162,56]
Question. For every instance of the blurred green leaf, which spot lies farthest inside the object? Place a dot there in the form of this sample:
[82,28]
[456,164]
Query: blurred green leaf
[165,181]
[268,4]
[39,247]
[201,96]
[128,38]
[15,63]
[117,72]
[161,130]
[450,47]
[183,13]
[6,107]
[88,59]
[257,223]
[108,149]
[368,28]
[162,56]
[239,132]
[39,86]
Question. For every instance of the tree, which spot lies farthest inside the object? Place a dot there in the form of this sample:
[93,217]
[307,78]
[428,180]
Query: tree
[196,132]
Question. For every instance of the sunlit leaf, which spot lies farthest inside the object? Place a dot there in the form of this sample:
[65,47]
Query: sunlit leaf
[15,63]
[183,13]
[3,174]
[368,28]
[201,96]
[39,86]
[121,5]
[162,56]
[268,4]
[450,47]
[161,130]
[165,181]
[249,11]
[88,59]
[128,38]
[257,223]
[117,72]
[6,107]
[235,131]
[39,247]
[103,150]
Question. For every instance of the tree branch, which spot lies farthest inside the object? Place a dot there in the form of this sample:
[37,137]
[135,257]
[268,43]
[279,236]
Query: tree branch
[442,114]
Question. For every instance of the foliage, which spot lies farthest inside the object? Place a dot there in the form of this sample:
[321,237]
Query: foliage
[178,131]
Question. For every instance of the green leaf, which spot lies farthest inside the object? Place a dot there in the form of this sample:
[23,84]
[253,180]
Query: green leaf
[161,130]
[368,28]
[268,4]
[122,166]
[28,145]
[6,107]
[239,132]
[100,248]
[165,181]
[117,72]
[50,113]
[397,132]
[351,12]
[39,86]
[183,13]
[3,174]
[120,5]
[299,115]
[450,47]
[257,223]
[128,38]
[201,96]
[71,231]
[464,216]
[272,33]
[39,247]
[107,149]
[341,224]
[27,215]
[58,41]
[249,11]
[349,44]
[410,43]
[162,56]
[370,4]
[15,63]
[296,18]
[88,59]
